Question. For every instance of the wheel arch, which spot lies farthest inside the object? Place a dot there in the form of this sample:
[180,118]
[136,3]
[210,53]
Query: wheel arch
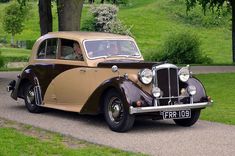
[128,90]
[201,95]
[26,77]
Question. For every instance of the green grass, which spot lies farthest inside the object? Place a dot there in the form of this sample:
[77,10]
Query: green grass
[17,139]
[221,88]
[152,21]
[15,52]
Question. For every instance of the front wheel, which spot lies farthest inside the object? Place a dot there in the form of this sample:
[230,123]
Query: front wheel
[190,121]
[116,115]
[29,98]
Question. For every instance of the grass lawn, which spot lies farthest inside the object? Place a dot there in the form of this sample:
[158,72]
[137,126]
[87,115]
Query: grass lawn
[15,52]
[152,21]
[221,87]
[18,139]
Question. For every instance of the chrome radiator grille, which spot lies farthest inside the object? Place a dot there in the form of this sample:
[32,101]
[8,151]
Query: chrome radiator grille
[166,78]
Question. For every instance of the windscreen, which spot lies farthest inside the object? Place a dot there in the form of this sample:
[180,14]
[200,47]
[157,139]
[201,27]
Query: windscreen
[111,48]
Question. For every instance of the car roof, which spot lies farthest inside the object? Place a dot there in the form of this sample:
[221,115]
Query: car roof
[86,35]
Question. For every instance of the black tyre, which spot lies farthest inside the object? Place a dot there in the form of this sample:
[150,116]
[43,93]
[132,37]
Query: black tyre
[190,121]
[116,114]
[29,98]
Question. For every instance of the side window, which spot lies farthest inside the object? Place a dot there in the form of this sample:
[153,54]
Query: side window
[51,48]
[47,49]
[42,50]
[70,50]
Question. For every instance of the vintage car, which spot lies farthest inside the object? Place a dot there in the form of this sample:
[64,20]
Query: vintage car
[92,73]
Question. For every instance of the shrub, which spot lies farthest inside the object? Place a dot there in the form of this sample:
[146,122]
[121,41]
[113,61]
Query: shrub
[1,60]
[183,48]
[29,44]
[118,2]
[16,59]
[104,19]
[88,24]
[4,1]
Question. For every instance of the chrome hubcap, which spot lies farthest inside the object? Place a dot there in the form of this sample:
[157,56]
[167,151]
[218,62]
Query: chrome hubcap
[115,109]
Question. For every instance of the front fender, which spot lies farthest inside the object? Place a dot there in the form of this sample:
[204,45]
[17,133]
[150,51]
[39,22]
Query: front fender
[201,95]
[26,76]
[129,91]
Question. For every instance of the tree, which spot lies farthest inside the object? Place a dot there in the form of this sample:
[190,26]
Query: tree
[45,16]
[69,14]
[217,4]
[13,20]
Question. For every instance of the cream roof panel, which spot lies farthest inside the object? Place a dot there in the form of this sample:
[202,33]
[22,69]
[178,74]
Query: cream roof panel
[85,35]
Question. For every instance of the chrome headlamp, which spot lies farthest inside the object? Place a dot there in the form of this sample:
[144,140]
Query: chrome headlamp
[184,74]
[146,76]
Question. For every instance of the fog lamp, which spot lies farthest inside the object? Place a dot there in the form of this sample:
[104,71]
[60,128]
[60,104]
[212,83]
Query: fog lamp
[156,92]
[192,90]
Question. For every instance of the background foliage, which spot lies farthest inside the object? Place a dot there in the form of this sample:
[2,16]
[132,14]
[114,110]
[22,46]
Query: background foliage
[183,48]
[104,18]
[151,22]
[13,18]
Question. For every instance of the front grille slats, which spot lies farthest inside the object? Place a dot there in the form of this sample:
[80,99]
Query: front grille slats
[167,80]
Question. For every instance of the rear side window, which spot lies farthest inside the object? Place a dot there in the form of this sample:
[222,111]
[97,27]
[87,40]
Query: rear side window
[47,49]
[67,49]
[51,48]
[42,50]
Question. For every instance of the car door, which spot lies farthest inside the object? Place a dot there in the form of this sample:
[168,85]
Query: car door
[43,68]
[72,85]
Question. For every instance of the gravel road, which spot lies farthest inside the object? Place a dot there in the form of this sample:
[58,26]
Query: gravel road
[147,136]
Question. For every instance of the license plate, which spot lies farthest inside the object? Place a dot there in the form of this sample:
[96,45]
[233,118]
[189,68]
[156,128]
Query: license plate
[181,114]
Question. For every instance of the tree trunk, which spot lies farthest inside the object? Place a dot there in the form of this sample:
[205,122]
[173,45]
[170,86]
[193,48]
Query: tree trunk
[233,28]
[69,14]
[45,16]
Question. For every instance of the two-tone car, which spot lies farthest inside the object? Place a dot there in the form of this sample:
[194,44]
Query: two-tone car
[93,73]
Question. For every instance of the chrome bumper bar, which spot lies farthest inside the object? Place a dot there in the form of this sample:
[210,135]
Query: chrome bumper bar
[136,110]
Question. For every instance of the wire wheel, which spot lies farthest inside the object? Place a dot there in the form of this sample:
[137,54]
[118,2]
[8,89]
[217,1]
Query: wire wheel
[116,112]
[115,109]
[29,98]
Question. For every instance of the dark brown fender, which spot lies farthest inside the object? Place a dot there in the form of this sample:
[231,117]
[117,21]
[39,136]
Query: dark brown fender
[201,95]
[128,90]
[26,76]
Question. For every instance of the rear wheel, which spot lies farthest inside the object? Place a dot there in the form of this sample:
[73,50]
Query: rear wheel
[29,98]
[190,121]
[116,114]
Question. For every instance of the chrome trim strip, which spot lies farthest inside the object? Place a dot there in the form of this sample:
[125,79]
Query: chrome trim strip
[178,86]
[163,66]
[169,81]
[136,110]
[173,97]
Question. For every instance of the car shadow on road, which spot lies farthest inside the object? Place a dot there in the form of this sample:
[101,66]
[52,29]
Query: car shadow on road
[141,124]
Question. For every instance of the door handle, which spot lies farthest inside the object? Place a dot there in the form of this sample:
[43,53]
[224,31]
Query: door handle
[83,70]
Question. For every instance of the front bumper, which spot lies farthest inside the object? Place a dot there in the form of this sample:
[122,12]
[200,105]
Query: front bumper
[11,86]
[136,110]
